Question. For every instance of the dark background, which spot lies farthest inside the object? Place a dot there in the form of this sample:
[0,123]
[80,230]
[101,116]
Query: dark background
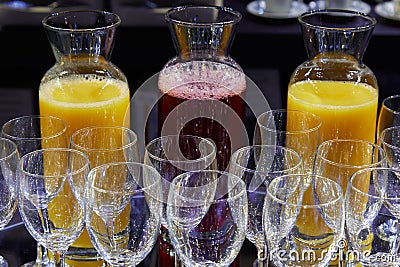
[268,50]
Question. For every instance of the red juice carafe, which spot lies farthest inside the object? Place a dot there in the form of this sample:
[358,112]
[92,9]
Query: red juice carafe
[202,88]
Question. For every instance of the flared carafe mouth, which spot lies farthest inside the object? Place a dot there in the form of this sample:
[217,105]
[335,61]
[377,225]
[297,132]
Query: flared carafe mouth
[336,32]
[201,16]
[337,20]
[81,20]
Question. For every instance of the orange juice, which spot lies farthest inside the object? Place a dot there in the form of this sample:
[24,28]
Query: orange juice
[85,100]
[348,110]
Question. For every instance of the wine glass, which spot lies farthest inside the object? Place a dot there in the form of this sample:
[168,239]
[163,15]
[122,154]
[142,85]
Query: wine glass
[50,202]
[172,155]
[298,130]
[338,159]
[207,217]
[257,165]
[389,114]
[373,197]
[301,232]
[123,211]
[30,133]
[9,158]
[102,144]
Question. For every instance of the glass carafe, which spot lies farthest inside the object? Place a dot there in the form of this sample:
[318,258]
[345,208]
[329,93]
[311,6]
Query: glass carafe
[202,87]
[334,83]
[83,87]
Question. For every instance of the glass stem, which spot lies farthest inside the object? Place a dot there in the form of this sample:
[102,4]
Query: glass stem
[42,256]
[262,256]
[59,259]
[109,223]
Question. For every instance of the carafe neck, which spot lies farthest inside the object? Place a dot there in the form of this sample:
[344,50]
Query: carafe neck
[202,33]
[78,35]
[345,34]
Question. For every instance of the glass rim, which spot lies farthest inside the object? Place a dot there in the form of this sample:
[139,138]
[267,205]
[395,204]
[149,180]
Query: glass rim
[89,128]
[107,165]
[356,174]
[271,112]
[383,134]
[14,137]
[374,146]
[12,152]
[338,12]
[222,197]
[114,23]
[237,16]
[159,159]
[339,189]
[389,108]
[251,147]
[57,149]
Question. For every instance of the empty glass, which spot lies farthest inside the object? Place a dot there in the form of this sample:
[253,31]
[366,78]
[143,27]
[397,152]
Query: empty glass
[50,202]
[298,130]
[102,144]
[389,140]
[257,165]
[123,211]
[207,217]
[338,159]
[172,155]
[303,231]
[34,132]
[389,114]
[9,158]
[30,133]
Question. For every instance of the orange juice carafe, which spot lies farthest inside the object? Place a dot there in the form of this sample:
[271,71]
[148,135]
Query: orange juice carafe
[334,83]
[83,87]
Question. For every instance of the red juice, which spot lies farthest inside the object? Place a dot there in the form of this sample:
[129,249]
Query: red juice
[202,98]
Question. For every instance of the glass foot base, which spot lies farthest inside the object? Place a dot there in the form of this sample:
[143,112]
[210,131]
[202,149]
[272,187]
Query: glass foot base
[257,263]
[35,264]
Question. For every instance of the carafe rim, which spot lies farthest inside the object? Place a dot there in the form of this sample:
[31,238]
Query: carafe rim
[112,23]
[369,21]
[236,16]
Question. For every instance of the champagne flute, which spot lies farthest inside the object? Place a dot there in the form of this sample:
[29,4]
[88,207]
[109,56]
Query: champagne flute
[207,217]
[123,211]
[9,158]
[389,114]
[298,130]
[30,133]
[289,218]
[49,201]
[257,165]
[172,155]
[102,144]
